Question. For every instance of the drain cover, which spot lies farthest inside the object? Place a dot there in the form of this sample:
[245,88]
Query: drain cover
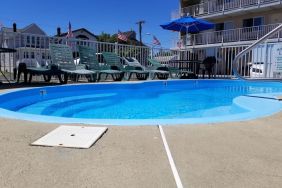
[71,136]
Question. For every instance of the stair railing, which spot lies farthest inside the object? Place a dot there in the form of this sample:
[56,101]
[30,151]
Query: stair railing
[251,47]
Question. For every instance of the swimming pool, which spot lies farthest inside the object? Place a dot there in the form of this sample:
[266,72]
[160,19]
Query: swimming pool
[144,103]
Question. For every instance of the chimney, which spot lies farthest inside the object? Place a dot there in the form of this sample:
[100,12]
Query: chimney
[14,27]
[58,31]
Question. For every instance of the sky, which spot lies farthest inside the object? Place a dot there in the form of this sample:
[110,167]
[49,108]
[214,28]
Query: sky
[95,15]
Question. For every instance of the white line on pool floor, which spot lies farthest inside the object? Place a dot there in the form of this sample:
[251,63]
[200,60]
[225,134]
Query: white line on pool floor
[170,159]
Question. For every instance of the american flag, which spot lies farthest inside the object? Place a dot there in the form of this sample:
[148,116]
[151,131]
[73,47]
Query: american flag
[122,36]
[69,35]
[156,41]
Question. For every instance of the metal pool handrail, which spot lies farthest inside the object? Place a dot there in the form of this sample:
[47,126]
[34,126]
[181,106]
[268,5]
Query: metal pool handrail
[255,44]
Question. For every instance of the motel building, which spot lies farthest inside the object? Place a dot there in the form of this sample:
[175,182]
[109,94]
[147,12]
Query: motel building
[32,44]
[238,24]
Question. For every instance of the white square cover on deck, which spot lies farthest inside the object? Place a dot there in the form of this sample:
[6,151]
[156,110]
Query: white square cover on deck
[72,136]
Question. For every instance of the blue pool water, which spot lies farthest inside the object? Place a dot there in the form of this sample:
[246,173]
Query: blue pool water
[166,102]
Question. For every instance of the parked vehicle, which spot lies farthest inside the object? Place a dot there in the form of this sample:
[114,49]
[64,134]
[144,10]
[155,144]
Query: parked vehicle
[256,69]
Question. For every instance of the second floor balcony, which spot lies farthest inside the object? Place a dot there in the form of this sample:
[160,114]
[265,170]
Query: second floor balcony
[238,35]
[221,7]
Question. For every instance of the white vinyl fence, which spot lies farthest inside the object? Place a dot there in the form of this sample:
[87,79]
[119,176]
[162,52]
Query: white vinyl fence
[34,50]
[263,62]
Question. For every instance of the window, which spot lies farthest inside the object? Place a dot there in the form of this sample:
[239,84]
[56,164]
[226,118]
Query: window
[26,56]
[27,40]
[37,41]
[258,21]
[224,26]
[228,25]
[32,40]
[219,26]
[250,22]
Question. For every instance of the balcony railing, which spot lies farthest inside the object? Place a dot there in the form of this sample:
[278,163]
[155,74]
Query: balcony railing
[226,36]
[222,6]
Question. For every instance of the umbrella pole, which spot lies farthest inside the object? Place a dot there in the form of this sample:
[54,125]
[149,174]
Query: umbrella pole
[187,28]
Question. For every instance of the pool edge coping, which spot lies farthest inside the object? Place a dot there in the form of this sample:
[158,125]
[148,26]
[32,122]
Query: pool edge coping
[126,122]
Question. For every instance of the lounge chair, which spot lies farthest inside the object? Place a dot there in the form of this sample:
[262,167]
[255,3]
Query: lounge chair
[133,62]
[61,56]
[88,58]
[113,60]
[46,71]
[172,70]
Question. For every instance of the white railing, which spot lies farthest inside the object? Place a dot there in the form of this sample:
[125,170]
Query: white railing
[227,36]
[262,62]
[36,47]
[212,7]
[265,70]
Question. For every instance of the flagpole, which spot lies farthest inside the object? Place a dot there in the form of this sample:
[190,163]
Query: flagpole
[152,51]
[117,37]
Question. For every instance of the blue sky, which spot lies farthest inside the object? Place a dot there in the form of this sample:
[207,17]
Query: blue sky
[96,15]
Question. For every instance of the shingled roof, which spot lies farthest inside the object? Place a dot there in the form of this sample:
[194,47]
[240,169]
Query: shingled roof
[25,29]
[77,30]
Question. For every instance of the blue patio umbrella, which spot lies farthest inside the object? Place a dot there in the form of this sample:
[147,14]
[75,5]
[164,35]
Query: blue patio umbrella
[188,24]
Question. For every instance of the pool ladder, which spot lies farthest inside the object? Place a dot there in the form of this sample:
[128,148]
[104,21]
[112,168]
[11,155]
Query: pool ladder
[42,92]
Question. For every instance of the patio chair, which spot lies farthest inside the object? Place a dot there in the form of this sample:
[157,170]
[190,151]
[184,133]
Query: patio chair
[88,58]
[46,71]
[133,62]
[208,64]
[113,60]
[172,70]
[61,56]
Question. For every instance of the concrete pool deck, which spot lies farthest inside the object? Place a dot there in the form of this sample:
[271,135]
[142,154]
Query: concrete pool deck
[239,154]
